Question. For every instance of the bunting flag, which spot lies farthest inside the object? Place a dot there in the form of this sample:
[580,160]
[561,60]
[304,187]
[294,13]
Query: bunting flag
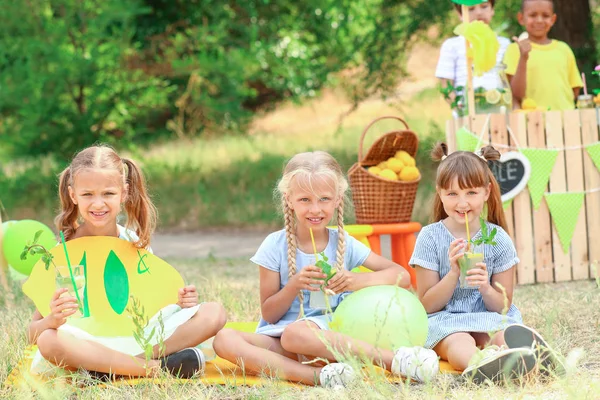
[565,208]
[594,152]
[542,162]
[466,140]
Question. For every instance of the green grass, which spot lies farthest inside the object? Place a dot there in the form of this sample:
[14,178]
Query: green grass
[567,315]
[228,181]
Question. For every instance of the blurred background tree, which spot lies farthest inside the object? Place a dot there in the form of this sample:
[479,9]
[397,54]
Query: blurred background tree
[132,71]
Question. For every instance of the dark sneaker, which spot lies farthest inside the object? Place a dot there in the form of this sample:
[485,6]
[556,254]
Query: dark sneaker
[185,363]
[521,336]
[500,365]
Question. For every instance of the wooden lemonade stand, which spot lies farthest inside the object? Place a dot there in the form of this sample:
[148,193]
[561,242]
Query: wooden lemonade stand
[534,232]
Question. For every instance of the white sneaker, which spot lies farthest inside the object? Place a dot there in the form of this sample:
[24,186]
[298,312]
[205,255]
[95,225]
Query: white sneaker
[417,363]
[500,364]
[336,375]
[517,336]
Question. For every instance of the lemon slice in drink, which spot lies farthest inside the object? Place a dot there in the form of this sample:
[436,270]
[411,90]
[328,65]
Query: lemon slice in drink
[492,96]
[507,97]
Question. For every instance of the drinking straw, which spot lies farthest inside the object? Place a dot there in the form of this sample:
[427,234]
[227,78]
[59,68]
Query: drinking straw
[584,83]
[64,243]
[312,238]
[468,234]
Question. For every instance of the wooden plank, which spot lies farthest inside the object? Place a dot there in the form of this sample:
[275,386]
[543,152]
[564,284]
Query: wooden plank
[558,183]
[575,183]
[589,135]
[499,135]
[522,212]
[451,135]
[480,128]
[541,217]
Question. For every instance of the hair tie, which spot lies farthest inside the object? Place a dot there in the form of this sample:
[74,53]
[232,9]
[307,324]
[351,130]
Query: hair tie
[444,157]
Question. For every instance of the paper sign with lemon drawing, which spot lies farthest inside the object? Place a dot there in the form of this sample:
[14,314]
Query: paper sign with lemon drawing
[114,270]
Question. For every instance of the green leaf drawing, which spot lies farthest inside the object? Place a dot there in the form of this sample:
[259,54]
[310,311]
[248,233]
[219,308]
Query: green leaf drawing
[116,283]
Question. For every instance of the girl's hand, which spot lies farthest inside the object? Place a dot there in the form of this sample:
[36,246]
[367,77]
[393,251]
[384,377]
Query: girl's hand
[455,252]
[187,297]
[342,281]
[61,308]
[309,275]
[478,277]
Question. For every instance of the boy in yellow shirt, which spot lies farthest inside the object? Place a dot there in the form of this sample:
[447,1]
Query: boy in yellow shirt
[538,67]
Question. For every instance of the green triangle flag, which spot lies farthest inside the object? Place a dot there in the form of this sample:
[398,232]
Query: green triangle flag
[594,152]
[565,208]
[469,2]
[506,204]
[466,140]
[542,161]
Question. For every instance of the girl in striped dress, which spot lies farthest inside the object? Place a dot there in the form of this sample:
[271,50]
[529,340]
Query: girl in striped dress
[462,320]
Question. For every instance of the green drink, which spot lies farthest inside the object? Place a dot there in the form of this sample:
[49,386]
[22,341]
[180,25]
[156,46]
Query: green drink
[74,284]
[467,262]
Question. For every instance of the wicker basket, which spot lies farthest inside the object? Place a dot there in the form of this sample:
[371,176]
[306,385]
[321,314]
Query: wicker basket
[378,200]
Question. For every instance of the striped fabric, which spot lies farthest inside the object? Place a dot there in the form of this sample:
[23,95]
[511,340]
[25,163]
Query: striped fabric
[452,64]
[465,312]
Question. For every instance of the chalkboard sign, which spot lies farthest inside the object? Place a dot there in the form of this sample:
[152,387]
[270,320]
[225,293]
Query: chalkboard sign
[512,172]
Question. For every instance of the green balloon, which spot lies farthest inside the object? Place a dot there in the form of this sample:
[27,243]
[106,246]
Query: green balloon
[20,234]
[387,317]
[7,224]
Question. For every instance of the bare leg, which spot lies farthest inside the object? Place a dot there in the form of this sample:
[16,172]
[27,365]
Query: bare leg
[63,349]
[457,349]
[263,354]
[209,320]
[305,337]
[483,339]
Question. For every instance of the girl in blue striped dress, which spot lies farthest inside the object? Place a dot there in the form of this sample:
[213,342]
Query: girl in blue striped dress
[462,320]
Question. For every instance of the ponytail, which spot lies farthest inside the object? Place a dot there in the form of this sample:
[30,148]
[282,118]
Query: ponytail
[141,212]
[66,220]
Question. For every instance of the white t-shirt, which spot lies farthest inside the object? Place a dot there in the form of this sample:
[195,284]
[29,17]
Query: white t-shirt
[452,64]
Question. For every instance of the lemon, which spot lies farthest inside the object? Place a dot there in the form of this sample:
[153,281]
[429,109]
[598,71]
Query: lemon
[406,158]
[493,96]
[507,97]
[528,104]
[388,174]
[374,170]
[382,165]
[395,165]
[409,174]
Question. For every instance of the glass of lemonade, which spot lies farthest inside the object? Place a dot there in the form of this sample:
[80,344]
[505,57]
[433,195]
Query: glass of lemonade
[75,286]
[469,261]
[317,299]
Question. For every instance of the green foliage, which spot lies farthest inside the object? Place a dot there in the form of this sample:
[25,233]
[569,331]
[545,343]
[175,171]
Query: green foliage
[66,81]
[33,248]
[325,267]
[140,321]
[485,238]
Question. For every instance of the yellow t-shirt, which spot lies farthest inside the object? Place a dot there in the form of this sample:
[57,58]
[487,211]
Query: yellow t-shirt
[552,74]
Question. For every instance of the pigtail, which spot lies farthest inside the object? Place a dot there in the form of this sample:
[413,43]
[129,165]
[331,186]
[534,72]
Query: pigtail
[439,151]
[66,220]
[141,212]
[290,236]
[341,245]
[495,210]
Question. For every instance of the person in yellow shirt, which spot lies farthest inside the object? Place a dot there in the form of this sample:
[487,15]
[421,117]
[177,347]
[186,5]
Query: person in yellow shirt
[540,68]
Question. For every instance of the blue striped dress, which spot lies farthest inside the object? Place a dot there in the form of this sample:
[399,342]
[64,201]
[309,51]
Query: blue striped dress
[465,312]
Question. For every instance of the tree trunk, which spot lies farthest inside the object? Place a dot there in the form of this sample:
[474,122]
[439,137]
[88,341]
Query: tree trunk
[574,26]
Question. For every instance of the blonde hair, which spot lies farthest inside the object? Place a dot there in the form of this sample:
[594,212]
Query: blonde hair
[472,171]
[140,211]
[309,166]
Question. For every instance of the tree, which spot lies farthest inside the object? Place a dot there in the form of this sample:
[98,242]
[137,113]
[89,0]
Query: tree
[574,26]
